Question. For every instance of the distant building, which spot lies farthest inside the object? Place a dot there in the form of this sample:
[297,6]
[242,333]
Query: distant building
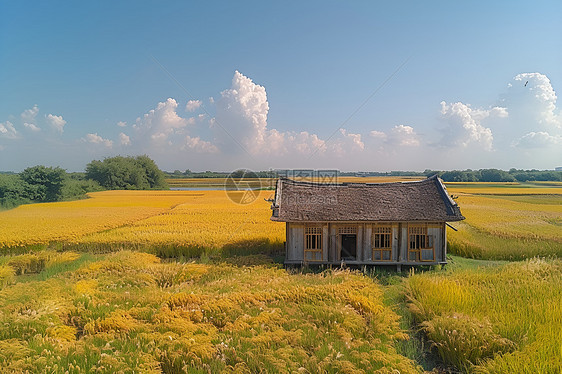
[400,223]
[559,168]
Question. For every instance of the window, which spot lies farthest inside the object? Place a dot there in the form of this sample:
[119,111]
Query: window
[382,243]
[420,244]
[313,244]
[347,230]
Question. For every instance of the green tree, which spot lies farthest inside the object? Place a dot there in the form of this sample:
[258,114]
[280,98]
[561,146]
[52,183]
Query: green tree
[78,188]
[495,175]
[46,182]
[155,177]
[126,173]
[14,191]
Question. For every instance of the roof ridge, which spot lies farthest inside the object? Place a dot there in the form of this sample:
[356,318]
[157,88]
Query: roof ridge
[423,200]
[358,184]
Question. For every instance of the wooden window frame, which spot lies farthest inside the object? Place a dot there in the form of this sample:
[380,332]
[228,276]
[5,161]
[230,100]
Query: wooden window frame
[384,234]
[313,237]
[347,230]
[423,241]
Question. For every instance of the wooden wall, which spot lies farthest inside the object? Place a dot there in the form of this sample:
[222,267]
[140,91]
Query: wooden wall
[331,242]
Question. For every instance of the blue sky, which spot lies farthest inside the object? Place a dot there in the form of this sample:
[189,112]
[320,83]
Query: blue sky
[364,85]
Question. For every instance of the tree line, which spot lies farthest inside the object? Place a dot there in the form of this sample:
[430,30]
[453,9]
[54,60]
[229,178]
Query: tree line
[47,184]
[468,175]
[177,174]
[496,175]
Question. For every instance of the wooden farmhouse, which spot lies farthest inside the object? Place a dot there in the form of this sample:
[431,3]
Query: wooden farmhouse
[401,223]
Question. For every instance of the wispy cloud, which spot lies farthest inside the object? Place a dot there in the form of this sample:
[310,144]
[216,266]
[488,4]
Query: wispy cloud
[29,118]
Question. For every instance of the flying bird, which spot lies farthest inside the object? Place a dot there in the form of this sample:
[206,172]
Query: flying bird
[526,83]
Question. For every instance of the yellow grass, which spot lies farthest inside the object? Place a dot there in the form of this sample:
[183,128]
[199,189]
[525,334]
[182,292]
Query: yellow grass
[61,311]
[218,183]
[196,219]
[503,189]
[504,221]
[209,220]
[69,221]
[503,217]
[507,221]
[505,319]
[270,182]
[128,312]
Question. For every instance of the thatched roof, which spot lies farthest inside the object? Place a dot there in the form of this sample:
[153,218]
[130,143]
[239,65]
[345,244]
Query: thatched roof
[425,200]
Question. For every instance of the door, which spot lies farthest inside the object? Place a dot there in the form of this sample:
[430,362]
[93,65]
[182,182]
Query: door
[348,247]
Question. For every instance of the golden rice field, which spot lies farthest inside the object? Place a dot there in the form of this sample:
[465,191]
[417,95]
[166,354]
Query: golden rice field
[503,221]
[128,312]
[207,220]
[493,319]
[69,221]
[86,310]
[219,183]
[508,221]
[186,222]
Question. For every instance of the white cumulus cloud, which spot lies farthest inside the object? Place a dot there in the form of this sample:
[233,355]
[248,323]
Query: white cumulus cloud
[29,118]
[532,95]
[57,122]
[241,123]
[301,142]
[199,146]
[399,135]
[8,131]
[378,134]
[535,121]
[122,124]
[346,143]
[464,126]
[161,123]
[403,135]
[124,139]
[31,126]
[539,139]
[193,105]
[499,112]
[96,139]
[242,115]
